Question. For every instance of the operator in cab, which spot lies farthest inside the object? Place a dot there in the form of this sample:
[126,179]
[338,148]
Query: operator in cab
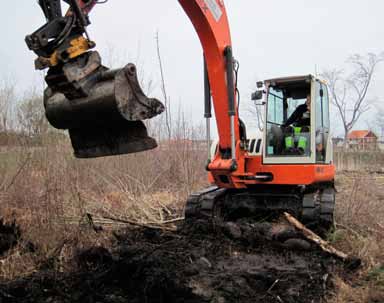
[292,137]
[296,129]
[301,116]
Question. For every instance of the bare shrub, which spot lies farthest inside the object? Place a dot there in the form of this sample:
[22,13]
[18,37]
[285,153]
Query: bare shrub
[50,192]
[360,208]
[31,116]
[360,231]
[7,98]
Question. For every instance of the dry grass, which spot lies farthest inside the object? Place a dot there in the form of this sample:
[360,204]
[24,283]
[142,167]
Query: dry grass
[360,293]
[360,231]
[360,215]
[49,193]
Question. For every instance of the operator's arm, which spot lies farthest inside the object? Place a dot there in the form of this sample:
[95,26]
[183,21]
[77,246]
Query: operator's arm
[296,115]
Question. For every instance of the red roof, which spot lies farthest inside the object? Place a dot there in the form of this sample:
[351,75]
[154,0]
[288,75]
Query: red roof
[359,134]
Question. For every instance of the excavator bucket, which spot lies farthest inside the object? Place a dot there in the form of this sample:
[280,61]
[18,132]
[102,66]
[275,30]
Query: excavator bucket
[107,120]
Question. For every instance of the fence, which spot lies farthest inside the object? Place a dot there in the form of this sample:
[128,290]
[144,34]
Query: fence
[356,161]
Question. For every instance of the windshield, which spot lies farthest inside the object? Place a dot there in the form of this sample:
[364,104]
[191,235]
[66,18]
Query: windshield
[293,104]
[288,122]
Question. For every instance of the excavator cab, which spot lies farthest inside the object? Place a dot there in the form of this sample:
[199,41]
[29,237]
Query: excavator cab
[297,121]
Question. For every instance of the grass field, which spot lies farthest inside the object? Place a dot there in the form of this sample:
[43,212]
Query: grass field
[49,194]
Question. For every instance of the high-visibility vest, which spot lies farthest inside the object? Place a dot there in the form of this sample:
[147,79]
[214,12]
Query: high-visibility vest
[297,137]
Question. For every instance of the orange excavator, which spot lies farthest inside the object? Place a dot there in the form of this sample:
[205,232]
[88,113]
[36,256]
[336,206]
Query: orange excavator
[288,167]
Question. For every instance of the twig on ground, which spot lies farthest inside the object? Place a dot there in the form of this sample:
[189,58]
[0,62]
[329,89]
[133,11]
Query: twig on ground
[273,285]
[146,225]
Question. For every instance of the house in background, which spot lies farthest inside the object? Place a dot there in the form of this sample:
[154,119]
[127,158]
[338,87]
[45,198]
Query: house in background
[362,140]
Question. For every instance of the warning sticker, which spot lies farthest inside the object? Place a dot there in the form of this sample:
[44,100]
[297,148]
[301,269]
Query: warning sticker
[214,8]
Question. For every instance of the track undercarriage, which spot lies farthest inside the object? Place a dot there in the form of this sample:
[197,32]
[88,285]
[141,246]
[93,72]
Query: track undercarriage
[313,205]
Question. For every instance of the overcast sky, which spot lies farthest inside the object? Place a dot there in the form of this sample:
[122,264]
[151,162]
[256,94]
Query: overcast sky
[270,39]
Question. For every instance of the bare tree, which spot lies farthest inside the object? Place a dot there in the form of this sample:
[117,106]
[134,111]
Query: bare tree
[31,115]
[7,99]
[349,90]
[118,59]
[167,101]
[255,111]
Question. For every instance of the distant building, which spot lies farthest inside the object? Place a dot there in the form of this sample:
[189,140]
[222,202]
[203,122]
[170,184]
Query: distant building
[362,140]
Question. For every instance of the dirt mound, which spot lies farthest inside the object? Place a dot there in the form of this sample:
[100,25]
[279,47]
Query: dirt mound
[234,262]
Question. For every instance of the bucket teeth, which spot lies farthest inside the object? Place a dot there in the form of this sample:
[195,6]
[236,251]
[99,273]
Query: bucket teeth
[131,99]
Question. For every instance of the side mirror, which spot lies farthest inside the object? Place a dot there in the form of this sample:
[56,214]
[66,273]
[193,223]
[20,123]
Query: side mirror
[260,84]
[257,95]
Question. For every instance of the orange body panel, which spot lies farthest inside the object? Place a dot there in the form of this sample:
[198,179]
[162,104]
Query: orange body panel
[292,173]
[283,174]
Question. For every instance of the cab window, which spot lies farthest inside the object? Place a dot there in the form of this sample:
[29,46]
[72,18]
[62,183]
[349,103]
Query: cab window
[288,123]
[275,106]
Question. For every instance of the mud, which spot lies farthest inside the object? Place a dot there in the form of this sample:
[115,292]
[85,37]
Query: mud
[233,262]
[9,236]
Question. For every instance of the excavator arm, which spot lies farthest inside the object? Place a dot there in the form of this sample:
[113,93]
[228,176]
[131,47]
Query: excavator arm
[82,91]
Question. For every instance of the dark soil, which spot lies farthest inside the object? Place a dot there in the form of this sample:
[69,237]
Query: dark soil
[9,236]
[234,262]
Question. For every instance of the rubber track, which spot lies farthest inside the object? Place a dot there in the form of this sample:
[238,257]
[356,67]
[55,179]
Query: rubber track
[317,207]
[201,204]
[327,207]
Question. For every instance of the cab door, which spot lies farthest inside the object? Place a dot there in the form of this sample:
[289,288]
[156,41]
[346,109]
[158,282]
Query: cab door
[323,146]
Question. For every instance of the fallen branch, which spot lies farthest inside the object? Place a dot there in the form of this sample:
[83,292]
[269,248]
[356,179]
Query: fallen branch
[324,245]
[146,225]
[115,221]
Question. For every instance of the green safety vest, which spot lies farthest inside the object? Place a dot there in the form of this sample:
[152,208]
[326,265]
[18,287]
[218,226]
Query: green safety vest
[290,140]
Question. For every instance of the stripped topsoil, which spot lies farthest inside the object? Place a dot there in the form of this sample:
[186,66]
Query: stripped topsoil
[233,262]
